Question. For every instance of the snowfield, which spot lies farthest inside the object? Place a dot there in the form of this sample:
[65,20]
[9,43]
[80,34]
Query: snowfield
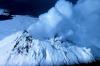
[65,34]
[25,50]
[18,23]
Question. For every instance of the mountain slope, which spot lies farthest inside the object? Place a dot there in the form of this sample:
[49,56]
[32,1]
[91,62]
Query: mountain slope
[66,34]
[18,23]
[25,50]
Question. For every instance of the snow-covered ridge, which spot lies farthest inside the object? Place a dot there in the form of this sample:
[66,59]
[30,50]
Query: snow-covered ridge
[29,51]
[6,46]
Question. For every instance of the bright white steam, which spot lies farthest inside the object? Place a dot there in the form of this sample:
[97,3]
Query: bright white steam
[66,34]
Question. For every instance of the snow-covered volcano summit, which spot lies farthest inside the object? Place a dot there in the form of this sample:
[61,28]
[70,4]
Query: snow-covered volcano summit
[66,34]
[25,50]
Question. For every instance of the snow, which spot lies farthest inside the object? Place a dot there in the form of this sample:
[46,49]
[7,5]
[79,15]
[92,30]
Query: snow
[6,46]
[66,34]
[48,52]
[18,23]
